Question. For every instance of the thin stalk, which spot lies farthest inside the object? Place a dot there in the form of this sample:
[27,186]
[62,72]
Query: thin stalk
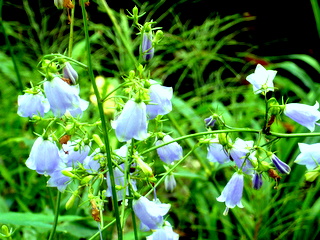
[103,123]
[70,46]
[56,216]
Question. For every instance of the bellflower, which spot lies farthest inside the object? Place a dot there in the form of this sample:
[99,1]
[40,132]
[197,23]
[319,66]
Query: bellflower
[281,166]
[146,47]
[44,157]
[257,181]
[262,79]
[32,104]
[164,233]
[305,115]
[150,213]
[70,73]
[119,181]
[210,122]
[309,156]
[170,152]
[91,163]
[132,122]
[160,100]
[216,153]
[232,193]
[239,153]
[57,179]
[61,96]
[70,156]
[170,183]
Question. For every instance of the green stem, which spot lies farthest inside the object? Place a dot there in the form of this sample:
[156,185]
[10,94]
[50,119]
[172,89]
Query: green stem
[103,123]
[70,46]
[14,62]
[56,216]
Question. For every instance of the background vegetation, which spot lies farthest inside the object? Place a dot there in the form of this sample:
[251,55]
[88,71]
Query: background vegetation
[206,60]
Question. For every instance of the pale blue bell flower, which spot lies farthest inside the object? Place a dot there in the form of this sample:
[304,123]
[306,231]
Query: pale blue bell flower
[170,183]
[61,96]
[32,104]
[44,157]
[160,100]
[164,233]
[59,180]
[150,213]
[132,122]
[216,153]
[303,114]
[232,193]
[170,152]
[70,156]
[240,153]
[91,162]
[146,47]
[280,165]
[309,156]
[70,73]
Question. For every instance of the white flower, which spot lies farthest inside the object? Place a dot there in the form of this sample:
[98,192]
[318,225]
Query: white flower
[262,79]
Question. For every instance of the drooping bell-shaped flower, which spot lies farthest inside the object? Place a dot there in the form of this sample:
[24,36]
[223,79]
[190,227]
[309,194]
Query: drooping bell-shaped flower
[146,46]
[281,166]
[44,156]
[59,180]
[309,156]
[119,179]
[160,100]
[216,153]
[232,193]
[150,213]
[262,79]
[170,152]
[170,183]
[32,104]
[257,181]
[132,122]
[241,153]
[303,114]
[61,96]
[70,73]
[164,233]
[210,121]
[72,154]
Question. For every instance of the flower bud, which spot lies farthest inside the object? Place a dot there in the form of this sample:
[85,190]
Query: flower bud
[98,141]
[146,169]
[71,200]
[170,183]
[312,175]
[86,179]
[158,37]
[70,129]
[59,3]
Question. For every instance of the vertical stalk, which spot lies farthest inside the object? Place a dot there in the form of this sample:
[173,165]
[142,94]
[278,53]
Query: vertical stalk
[56,216]
[103,123]
[71,30]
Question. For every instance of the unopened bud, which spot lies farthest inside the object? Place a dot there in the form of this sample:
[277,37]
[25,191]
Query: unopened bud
[158,37]
[98,140]
[68,173]
[312,175]
[71,200]
[86,179]
[146,169]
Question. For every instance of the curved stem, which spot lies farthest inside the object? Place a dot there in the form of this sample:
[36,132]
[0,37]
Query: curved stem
[103,123]
[56,216]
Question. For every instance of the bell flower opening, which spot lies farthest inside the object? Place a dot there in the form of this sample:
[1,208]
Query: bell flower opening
[262,79]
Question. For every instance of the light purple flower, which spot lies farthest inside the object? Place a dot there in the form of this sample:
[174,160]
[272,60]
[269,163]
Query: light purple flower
[70,156]
[303,114]
[160,100]
[32,104]
[150,213]
[262,79]
[232,193]
[240,153]
[146,47]
[57,179]
[62,96]
[281,166]
[257,181]
[132,122]
[309,156]
[216,153]
[164,233]
[70,73]
[170,183]
[44,157]
[210,121]
[170,152]
[119,181]
[91,163]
